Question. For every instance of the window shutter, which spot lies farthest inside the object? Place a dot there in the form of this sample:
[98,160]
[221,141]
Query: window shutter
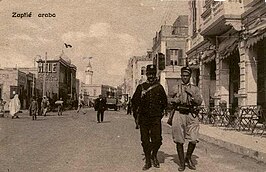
[161,61]
[180,57]
[168,60]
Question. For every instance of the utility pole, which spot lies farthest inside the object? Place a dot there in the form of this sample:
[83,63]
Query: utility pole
[44,76]
[33,82]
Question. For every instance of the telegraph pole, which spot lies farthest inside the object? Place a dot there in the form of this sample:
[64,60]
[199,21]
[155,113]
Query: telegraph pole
[44,76]
[33,82]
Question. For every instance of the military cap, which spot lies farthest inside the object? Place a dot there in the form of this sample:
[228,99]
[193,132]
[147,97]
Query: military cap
[186,69]
[151,69]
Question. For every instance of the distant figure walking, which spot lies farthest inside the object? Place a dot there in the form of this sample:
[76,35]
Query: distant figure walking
[33,109]
[2,104]
[14,107]
[129,105]
[45,104]
[80,105]
[100,107]
[59,103]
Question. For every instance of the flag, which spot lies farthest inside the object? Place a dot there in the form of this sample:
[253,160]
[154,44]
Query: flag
[68,45]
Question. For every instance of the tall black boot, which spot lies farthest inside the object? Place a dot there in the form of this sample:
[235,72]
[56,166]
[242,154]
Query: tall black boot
[190,150]
[154,159]
[147,164]
[180,151]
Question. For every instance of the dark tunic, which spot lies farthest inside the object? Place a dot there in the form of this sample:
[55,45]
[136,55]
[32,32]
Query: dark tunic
[150,105]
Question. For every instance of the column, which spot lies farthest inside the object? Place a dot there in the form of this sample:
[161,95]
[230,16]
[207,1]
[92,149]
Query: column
[251,77]
[204,83]
[217,85]
[224,81]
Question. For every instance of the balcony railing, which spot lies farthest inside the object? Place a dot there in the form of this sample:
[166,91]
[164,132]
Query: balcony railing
[214,10]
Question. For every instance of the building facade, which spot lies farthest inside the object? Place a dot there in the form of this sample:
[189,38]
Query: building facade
[135,73]
[168,51]
[14,81]
[58,78]
[225,46]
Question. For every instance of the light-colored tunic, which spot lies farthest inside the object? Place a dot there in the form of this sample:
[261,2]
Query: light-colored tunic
[186,126]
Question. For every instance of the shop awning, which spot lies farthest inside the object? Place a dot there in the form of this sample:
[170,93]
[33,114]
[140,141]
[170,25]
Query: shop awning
[227,47]
[256,35]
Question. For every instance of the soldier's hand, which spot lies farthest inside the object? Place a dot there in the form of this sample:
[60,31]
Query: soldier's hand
[189,91]
[174,100]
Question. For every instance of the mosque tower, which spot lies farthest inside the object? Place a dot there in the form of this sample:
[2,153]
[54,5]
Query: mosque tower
[88,74]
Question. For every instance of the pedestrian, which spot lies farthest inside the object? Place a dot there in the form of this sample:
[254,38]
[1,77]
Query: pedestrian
[149,101]
[14,107]
[59,104]
[80,105]
[2,105]
[185,125]
[33,109]
[129,104]
[100,107]
[45,104]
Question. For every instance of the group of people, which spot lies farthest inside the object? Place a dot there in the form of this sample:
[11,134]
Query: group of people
[149,103]
[35,108]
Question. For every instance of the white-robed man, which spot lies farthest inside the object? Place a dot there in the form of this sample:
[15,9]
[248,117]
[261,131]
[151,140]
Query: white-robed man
[14,106]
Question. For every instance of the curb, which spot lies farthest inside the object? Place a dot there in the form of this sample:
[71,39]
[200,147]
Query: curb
[260,156]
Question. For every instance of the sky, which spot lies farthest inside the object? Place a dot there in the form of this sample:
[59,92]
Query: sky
[109,31]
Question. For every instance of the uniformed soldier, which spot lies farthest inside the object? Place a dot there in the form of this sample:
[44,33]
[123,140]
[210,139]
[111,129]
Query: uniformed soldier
[185,98]
[150,101]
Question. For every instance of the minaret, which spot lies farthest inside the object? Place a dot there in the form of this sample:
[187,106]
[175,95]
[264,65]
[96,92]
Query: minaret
[89,73]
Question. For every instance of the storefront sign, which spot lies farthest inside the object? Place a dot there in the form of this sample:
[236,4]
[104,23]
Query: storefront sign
[50,67]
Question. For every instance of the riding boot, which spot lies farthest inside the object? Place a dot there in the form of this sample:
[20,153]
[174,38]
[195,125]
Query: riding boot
[180,151]
[190,149]
[154,159]
[147,164]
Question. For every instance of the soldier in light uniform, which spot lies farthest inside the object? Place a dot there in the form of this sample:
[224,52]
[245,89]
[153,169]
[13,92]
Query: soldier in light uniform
[149,102]
[185,98]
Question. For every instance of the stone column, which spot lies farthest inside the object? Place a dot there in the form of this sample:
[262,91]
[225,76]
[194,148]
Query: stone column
[251,77]
[217,86]
[204,83]
[224,81]
[242,65]
[248,76]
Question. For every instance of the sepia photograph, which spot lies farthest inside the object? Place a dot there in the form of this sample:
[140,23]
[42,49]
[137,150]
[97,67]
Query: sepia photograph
[132,85]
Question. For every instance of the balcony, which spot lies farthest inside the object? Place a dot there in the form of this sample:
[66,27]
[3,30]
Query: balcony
[218,17]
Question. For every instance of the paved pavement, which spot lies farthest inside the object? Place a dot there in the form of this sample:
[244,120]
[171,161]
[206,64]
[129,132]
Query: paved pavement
[240,142]
[75,142]
[243,143]
[253,146]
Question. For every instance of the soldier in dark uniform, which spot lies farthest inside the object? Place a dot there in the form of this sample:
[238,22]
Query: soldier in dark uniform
[185,98]
[149,101]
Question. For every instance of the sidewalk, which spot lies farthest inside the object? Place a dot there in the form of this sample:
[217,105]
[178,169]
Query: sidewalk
[235,141]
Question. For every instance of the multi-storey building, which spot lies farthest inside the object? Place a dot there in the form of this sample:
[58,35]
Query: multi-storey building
[136,72]
[226,44]
[169,47]
[252,51]
[58,78]
[14,81]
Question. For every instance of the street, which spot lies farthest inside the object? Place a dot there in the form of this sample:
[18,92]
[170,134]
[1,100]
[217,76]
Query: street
[75,142]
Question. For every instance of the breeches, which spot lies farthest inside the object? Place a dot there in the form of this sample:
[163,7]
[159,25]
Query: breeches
[151,136]
[185,127]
